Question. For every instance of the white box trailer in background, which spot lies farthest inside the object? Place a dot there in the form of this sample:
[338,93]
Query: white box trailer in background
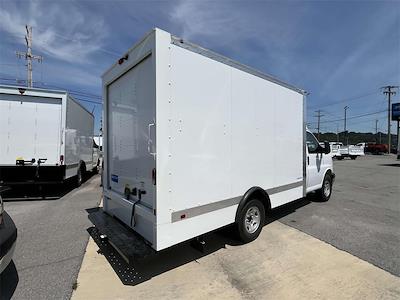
[45,136]
[191,137]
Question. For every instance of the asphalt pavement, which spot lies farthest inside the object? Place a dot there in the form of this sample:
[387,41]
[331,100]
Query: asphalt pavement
[52,239]
[362,218]
[363,215]
[346,248]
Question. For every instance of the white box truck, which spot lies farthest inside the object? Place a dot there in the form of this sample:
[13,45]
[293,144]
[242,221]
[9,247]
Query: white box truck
[194,141]
[45,137]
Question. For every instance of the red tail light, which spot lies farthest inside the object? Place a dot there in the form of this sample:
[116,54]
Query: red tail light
[61,159]
[153,176]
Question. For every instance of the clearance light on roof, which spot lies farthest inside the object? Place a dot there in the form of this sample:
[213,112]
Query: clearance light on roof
[122,59]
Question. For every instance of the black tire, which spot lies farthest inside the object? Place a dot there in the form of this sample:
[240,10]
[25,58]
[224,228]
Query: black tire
[324,192]
[340,157]
[96,169]
[353,157]
[246,231]
[79,177]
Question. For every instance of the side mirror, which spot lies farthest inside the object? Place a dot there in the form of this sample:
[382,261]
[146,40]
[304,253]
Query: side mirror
[327,148]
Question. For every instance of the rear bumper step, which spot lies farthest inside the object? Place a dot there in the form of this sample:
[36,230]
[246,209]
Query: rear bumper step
[14,175]
[130,245]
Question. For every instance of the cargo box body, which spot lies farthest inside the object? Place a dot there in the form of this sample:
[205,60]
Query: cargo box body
[42,124]
[188,132]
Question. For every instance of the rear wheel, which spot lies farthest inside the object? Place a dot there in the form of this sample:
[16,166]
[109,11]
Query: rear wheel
[96,168]
[251,220]
[79,177]
[353,157]
[326,191]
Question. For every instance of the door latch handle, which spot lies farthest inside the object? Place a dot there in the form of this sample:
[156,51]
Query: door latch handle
[149,140]
[140,193]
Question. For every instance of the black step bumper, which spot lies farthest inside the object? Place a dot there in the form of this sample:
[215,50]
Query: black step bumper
[15,175]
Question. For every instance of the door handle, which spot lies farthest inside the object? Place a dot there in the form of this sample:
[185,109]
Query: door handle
[149,140]
[140,193]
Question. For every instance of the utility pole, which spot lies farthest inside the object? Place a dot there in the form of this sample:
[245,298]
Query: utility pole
[345,124]
[337,132]
[376,130]
[28,54]
[398,140]
[388,91]
[319,120]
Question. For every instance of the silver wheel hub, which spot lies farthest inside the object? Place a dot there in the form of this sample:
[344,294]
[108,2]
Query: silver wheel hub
[327,188]
[252,219]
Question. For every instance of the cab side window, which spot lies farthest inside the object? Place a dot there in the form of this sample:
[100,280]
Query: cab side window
[312,143]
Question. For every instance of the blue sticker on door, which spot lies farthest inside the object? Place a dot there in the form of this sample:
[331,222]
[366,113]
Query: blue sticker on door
[114,178]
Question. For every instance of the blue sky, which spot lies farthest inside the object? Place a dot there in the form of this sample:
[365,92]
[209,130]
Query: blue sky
[342,52]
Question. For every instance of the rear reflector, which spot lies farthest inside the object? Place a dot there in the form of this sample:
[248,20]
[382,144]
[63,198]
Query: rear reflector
[61,159]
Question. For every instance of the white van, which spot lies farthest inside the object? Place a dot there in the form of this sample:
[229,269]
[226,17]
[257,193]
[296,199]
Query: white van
[194,141]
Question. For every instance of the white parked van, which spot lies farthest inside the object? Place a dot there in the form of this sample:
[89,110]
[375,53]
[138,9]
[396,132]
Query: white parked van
[340,151]
[194,141]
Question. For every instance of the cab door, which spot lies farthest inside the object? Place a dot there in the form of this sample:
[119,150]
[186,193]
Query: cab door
[314,163]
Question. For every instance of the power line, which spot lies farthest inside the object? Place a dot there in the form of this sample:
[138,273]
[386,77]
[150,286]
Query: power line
[353,117]
[82,94]
[331,114]
[18,81]
[344,100]
[364,121]
[71,91]
[74,92]
[90,101]
[326,127]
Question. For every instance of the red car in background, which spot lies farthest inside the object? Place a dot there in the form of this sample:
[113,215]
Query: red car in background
[375,148]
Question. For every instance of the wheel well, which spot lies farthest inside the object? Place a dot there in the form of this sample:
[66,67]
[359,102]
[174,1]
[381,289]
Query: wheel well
[329,171]
[254,193]
[82,166]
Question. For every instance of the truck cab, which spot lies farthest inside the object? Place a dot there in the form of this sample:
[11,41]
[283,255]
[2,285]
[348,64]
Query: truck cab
[319,167]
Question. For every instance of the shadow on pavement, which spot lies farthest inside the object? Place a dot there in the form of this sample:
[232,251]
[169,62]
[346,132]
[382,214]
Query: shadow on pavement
[142,263]
[391,165]
[42,192]
[8,281]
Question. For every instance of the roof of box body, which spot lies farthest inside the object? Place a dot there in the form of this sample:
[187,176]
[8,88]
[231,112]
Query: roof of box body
[17,87]
[130,49]
[217,57]
[230,62]
[41,90]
